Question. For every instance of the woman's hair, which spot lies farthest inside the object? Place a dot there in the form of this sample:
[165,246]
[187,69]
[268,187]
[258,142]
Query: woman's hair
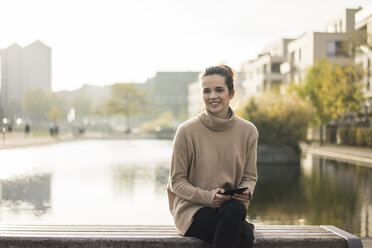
[222,70]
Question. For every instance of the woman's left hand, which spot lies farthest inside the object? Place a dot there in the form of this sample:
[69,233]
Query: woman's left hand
[243,198]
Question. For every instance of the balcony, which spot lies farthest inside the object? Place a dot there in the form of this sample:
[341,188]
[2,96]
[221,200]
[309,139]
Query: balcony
[287,67]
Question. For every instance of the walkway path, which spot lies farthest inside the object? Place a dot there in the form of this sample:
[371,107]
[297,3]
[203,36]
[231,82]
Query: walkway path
[18,139]
[14,139]
[367,242]
[358,155]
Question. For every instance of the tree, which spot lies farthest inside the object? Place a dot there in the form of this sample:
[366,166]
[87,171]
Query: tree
[165,120]
[126,100]
[332,90]
[83,105]
[57,104]
[35,102]
[279,119]
[55,114]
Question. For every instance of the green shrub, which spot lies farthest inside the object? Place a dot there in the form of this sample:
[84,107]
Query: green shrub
[331,134]
[360,136]
[368,136]
[344,133]
[352,136]
[279,119]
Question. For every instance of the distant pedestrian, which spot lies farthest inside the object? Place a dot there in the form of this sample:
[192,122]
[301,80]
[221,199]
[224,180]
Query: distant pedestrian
[27,129]
[51,129]
[10,128]
[56,130]
[3,131]
[212,153]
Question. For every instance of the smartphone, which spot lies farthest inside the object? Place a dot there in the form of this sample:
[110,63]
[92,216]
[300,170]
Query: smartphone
[234,191]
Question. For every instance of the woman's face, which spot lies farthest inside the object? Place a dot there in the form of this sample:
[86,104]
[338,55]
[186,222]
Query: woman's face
[216,95]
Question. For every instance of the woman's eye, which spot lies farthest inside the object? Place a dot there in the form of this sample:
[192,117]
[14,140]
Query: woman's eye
[206,91]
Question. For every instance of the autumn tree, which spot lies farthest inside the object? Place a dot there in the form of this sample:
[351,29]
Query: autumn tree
[126,100]
[279,119]
[40,105]
[82,105]
[35,103]
[55,114]
[58,107]
[332,90]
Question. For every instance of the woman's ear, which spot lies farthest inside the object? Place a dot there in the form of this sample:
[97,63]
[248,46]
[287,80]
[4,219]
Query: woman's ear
[232,93]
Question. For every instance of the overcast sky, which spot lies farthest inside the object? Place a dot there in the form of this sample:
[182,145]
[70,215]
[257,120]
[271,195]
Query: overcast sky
[103,42]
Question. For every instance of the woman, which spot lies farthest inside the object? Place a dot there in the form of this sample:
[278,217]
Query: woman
[213,152]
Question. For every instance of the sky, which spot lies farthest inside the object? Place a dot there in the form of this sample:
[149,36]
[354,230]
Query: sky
[101,42]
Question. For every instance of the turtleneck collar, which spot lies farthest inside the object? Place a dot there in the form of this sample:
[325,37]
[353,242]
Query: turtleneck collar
[215,123]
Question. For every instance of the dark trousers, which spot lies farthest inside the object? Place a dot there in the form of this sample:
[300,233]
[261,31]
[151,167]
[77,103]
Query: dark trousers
[224,227]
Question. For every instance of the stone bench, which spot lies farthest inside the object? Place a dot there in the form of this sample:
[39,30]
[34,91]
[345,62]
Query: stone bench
[58,236]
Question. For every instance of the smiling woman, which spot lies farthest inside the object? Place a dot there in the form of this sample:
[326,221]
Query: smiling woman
[218,89]
[212,153]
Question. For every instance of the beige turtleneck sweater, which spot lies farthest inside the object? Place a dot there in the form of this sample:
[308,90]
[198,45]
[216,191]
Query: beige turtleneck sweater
[209,153]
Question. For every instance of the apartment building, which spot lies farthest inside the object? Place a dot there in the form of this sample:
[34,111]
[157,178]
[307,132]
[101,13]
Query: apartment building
[363,53]
[169,92]
[335,45]
[194,99]
[263,73]
[20,70]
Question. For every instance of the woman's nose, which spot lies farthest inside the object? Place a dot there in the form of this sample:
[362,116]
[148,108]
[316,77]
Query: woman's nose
[213,94]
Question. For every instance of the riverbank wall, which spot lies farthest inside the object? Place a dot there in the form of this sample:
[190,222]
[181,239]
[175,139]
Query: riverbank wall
[360,156]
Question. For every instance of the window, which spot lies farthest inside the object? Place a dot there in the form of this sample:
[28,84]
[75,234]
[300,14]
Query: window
[265,68]
[299,55]
[338,49]
[275,68]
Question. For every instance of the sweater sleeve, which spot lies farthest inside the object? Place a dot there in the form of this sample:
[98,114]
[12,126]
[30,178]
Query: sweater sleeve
[250,170]
[181,161]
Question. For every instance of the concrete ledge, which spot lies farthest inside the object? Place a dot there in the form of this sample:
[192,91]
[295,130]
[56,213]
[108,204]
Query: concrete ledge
[277,154]
[14,236]
[350,155]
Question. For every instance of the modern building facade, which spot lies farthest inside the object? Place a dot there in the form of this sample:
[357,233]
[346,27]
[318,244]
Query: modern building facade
[363,53]
[335,46]
[168,91]
[194,99]
[20,70]
[263,73]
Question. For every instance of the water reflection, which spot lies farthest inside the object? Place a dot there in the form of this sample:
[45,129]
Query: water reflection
[319,191]
[22,193]
[112,182]
[126,177]
[90,182]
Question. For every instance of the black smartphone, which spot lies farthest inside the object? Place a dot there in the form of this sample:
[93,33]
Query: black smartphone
[234,191]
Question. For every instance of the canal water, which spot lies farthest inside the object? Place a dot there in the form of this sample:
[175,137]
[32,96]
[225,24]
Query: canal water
[123,182]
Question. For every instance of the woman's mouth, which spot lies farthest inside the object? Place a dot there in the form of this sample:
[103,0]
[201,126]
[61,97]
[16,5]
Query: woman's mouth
[214,103]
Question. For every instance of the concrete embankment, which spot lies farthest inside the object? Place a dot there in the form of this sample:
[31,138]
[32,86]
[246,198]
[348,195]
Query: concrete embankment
[361,156]
[367,242]
[277,154]
[23,141]
[14,140]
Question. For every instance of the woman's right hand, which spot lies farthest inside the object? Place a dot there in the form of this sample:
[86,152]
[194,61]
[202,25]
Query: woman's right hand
[219,198]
